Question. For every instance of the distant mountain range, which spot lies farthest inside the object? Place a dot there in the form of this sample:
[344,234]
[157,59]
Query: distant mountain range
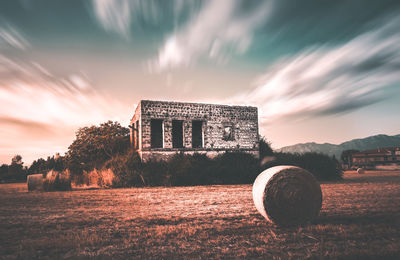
[372,142]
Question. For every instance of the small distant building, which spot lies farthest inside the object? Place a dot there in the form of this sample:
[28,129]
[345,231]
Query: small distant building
[378,158]
[161,129]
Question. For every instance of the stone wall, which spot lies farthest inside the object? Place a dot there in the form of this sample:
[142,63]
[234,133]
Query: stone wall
[135,128]
[243,120]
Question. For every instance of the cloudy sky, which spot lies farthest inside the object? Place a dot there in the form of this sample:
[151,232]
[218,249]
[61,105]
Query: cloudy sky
[318,70]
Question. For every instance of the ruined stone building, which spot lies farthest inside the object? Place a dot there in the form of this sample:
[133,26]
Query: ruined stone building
[161,129]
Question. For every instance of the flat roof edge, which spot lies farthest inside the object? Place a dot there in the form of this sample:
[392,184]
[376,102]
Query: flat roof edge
[194,103]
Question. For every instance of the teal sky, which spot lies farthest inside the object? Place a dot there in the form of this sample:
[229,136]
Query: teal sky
[318,70]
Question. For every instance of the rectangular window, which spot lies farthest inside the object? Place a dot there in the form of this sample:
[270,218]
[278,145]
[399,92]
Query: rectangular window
[177,133]
[157,134]
[135,135]
[228,132]
[197,134]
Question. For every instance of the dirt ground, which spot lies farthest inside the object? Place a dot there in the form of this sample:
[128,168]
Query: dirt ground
[360,218]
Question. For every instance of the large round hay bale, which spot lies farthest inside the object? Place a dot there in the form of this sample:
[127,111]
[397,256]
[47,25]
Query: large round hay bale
[360,171]
[287,195]
[35,182]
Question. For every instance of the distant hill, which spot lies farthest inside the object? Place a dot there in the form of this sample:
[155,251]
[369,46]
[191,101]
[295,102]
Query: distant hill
[372,142]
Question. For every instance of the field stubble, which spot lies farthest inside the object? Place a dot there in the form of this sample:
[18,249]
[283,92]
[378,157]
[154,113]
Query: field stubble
[360,217]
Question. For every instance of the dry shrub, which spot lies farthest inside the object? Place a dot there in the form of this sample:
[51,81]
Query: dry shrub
[106,178]
[287,195]
[98,178]
[35,182]
[126,170]
[57,181]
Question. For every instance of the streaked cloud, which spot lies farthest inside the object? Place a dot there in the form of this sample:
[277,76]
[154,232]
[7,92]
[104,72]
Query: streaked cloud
[10,37]
[114,15]
[120,15]
[40,110]
[219,30]
[327,80]
[67,101]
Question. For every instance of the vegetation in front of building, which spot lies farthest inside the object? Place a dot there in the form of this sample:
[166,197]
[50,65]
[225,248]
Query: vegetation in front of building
[101,155]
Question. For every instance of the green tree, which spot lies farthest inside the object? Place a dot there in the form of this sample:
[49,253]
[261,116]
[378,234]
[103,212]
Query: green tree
[42,166]
[16,169]
[265,148]
[3,172]
[37,166]
[95,145]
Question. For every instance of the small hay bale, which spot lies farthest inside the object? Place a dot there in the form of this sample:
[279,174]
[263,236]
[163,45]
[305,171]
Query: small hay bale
[35,182]
[287,195]
[360,171]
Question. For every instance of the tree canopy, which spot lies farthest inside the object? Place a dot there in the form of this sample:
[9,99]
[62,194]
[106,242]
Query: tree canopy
[42,166]
[265,148]
[15,171]
[94,145]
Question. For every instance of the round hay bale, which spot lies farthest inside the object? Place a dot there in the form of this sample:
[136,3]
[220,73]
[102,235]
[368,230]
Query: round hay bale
[287,195]
[35,182]
[360,171]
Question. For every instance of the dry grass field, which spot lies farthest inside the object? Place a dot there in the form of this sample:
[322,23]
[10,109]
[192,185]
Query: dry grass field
[360,218]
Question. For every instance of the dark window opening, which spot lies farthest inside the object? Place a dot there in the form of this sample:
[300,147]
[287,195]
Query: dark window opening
[135,135]
[156,126]
[197,134]
[177,134]
[228,134]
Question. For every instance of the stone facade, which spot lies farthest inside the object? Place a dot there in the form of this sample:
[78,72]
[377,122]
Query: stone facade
[160,129]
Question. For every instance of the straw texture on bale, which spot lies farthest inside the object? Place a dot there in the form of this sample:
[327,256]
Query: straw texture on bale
[360,171]
[35,182]
[287,195]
